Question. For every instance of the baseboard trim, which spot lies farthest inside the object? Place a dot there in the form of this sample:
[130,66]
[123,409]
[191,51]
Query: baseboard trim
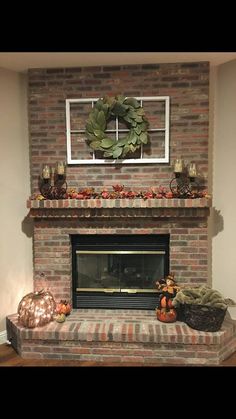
[3,337]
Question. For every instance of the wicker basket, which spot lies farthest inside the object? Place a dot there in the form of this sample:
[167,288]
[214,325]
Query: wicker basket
[202,317]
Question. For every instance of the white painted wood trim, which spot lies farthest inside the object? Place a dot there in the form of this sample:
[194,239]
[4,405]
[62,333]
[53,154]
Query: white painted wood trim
[140,160]
[167,128]
[95,99]
[68,130]
[3,337]
[118,161]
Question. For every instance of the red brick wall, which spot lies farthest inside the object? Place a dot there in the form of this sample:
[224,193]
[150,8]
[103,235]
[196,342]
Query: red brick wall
[187,84]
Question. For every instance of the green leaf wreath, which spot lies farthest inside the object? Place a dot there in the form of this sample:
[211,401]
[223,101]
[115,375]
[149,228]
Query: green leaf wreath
[128,110]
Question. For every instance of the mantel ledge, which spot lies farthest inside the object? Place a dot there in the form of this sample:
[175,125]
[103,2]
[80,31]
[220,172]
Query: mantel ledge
[119,203]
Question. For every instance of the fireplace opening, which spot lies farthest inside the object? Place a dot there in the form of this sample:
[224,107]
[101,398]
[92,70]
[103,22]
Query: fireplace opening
[118,271]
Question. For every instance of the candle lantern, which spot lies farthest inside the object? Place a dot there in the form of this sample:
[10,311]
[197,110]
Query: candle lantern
[53,183]
[185,183]
[46,172]
[178,167]
[36,309]
[45,181]
[60,168]
[192,171]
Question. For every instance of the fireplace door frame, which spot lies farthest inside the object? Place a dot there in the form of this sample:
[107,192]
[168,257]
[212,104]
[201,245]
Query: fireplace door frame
[117,244]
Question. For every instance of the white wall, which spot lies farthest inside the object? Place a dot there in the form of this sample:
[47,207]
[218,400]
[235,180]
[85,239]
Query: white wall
[224,182]
[15,245]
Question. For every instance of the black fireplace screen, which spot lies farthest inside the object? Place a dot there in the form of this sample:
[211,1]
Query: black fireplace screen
[110,269]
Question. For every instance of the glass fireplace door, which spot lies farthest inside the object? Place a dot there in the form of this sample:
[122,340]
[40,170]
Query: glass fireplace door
[119,271]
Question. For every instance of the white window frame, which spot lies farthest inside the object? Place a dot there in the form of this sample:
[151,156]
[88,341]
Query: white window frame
[139,160]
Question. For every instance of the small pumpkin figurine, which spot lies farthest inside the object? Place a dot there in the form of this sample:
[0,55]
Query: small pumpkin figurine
[166,316]
[165,311]
[60,318]
[64,307]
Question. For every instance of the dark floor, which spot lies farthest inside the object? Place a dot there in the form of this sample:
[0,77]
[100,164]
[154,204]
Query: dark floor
[9,358]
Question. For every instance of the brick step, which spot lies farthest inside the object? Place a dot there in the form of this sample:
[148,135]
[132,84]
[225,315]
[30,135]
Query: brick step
[123,336]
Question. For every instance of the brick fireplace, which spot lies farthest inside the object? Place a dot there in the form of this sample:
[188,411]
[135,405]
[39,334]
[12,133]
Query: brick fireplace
[187,85]
[120,335]
[56,221]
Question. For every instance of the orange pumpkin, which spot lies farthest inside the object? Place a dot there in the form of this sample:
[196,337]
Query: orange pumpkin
[166,316]
[36,309]
[63,307]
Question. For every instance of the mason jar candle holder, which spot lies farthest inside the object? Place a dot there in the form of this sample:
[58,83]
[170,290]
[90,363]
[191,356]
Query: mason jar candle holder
[178,167]
[192,171]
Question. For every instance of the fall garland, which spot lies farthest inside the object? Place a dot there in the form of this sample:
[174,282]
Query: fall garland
[119,192]
[128,110]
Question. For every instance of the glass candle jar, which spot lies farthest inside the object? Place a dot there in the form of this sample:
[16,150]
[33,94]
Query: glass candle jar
[60,168]
[192,170]
[46,172]
[178,166]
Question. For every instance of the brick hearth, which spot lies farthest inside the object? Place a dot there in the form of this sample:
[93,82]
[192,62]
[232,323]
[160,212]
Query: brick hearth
[120,336]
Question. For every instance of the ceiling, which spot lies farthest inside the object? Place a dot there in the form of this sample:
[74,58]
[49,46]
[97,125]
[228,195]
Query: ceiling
[22,61]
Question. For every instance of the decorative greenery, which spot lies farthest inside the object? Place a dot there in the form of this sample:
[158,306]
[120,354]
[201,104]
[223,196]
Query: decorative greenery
[200,295]
[129,111]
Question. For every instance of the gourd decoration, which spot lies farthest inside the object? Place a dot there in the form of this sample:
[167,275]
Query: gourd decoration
[64,307]
[36,309]
[60,318]
[165,311]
